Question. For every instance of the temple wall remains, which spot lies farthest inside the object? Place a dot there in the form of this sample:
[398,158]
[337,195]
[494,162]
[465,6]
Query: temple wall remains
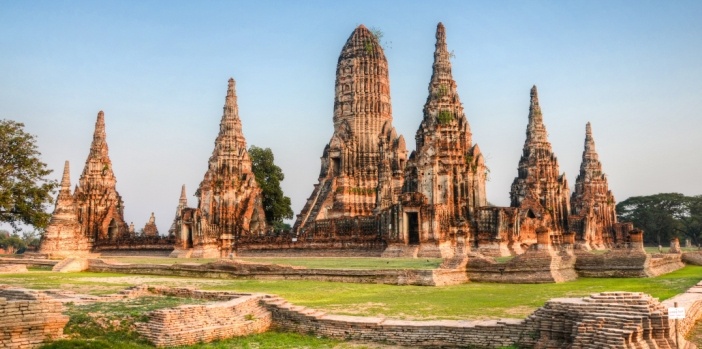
[190,324]
[29,318]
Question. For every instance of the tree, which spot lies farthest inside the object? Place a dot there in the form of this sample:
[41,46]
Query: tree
[25,191]
[11,243]
[664,216]
[275,204]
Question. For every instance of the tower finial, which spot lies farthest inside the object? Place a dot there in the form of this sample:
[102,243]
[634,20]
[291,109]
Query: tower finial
[66,179]
[589,142]
[183,199]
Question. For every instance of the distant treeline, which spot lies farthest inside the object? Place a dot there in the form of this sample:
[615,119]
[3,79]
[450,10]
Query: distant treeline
[664,216]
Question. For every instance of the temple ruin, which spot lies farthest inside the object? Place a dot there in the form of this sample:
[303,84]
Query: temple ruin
[364,150]
[434,203]
[593,209]
[94,213]
[229,199]
[370,197]
[444,181]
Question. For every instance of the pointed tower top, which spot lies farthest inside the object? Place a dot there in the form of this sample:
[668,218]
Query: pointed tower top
[66,179]
[589,152]
[440,33]
[362,43]
[152,219]
[183,199]
[589,141]
[231,108]
[534,108]
[441,84]
[98,148]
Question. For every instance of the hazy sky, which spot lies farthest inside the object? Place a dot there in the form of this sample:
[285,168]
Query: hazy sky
[159,70]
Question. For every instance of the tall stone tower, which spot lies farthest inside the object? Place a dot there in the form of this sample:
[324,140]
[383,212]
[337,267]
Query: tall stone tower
[447,170]
[539,188]
[363,136]
[63,237]
[229,199]
[100,207]
[593,209]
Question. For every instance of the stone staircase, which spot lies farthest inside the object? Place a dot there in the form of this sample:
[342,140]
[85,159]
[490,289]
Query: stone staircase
[320,197]
[71,265]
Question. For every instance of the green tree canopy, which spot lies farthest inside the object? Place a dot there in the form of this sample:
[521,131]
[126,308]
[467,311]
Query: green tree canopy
[664,216]
[25,192]
[275,204]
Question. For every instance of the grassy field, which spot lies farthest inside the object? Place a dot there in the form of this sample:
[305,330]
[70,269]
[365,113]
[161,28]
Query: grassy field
[309,262]
[467,301]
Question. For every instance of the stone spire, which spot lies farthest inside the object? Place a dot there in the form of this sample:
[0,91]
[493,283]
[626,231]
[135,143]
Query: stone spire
[363,135]
[150,228]
[450,171]
[100,207]
[592,203]
[229,197]
[537,137]
[183,200]
[62,237]
[539,186]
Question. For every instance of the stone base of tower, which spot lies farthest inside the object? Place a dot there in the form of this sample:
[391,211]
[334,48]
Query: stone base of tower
[400,251]
[537,265]
[206,251]
[60,248]
[494,248]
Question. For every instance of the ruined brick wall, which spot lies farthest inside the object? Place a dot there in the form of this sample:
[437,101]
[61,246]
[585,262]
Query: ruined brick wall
[534,266]
[29,318]
[438,333]
[337,234]
[615,263]
[694,258]
[626,262]
[603,320]
[232,269]
[664,263]
[190,324]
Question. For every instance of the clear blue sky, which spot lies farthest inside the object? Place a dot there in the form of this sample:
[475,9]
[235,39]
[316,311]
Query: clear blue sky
[159,70]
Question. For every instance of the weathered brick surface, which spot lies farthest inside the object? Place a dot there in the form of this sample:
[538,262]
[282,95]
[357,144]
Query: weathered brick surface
[604,320]
[29,318]
[437,333]
[232,269]
[13,268]
[623,262]
[694,258]
[534,266]
[189,324]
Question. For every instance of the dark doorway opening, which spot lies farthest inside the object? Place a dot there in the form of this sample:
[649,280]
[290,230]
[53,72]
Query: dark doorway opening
[413,227]
[189,239]
[336,166]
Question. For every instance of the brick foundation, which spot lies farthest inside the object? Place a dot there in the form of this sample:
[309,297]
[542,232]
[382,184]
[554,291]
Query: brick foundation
[29,318]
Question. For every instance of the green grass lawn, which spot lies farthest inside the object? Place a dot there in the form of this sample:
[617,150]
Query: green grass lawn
[467,301]
[309,262]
